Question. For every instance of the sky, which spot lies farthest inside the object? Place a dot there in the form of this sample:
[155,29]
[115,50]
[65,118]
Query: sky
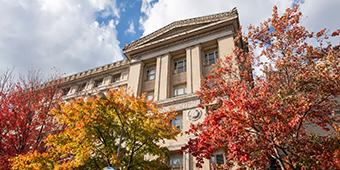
[69,36]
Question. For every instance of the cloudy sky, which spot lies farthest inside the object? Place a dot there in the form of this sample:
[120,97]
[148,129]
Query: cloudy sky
[69,36]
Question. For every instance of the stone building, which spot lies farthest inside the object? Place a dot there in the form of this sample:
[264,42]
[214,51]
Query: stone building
[168,66]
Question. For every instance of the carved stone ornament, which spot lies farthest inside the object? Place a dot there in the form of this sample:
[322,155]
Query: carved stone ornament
[195,114]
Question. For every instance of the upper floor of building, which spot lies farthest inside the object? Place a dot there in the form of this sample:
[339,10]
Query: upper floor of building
[167,65]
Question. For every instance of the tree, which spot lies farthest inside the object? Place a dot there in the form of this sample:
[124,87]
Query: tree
[24,118]
[115,130]
[286,114]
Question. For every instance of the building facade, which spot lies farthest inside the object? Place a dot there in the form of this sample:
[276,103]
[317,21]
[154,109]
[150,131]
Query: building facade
[167,66]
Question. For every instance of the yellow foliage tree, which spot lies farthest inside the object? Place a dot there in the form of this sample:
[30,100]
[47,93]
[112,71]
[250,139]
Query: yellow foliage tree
[116,130]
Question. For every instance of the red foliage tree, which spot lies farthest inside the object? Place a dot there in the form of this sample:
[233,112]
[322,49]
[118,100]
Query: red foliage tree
[24,118]
[286,114]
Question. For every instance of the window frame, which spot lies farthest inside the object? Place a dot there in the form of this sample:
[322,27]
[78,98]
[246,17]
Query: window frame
[176,161]
[82,86]
[207,61]
[215,160]
[176,62]
[178,121]
[178,87]
[148,71]
[116,78]
[98,82]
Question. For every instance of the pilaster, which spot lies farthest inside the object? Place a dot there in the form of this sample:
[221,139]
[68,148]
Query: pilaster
[194,69]
[162,82]
[135,76]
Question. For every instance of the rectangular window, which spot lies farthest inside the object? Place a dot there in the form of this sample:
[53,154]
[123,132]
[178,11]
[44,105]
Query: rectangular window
[177,122]
[217,159]
[150,73]
[98,82]
[210,57]
[179,90]
[82,87]
[176,161]
[180,65]
[115,78]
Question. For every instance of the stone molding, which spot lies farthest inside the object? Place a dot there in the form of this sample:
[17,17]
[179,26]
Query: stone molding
[184,102]
[98,70]
[187,22]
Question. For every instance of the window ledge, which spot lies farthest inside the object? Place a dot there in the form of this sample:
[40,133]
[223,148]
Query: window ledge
[177,99]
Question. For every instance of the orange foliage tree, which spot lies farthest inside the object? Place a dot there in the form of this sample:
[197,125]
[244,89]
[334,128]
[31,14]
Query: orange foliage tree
[116,130]
[286,114]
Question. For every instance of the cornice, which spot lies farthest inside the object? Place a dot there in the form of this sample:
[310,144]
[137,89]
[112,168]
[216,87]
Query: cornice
[187,22]
[188,42]
[95,71]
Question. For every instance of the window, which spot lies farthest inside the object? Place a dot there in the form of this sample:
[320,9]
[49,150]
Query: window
[98,82]
[115,78]
[65,91]
[210,57]
[217,159]
[176,161]
[180,65]
[177,122]
[149,95]
[82,87]
[150,73]
[179,90]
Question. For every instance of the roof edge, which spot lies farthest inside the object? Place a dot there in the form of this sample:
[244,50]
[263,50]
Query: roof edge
[217,16]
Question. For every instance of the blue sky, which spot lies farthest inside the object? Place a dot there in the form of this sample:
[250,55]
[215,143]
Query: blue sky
[69,36]
[130,13]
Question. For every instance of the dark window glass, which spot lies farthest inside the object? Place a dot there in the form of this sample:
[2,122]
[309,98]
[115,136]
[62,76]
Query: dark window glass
[217,159]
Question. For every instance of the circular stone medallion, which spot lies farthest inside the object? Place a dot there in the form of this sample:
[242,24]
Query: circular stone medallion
[195,114]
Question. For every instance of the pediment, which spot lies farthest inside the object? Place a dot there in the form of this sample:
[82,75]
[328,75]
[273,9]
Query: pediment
[179,28]
[175,31]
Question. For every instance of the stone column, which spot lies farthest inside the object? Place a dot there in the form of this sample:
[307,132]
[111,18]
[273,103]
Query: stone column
[162,81]
[194,69]
[135,76]
[187,162]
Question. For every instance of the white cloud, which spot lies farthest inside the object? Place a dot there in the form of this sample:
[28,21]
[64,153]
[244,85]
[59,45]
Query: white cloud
[317,13]
[131,29]
[42,34]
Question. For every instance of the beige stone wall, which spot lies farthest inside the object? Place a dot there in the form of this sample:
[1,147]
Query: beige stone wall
[225,46]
